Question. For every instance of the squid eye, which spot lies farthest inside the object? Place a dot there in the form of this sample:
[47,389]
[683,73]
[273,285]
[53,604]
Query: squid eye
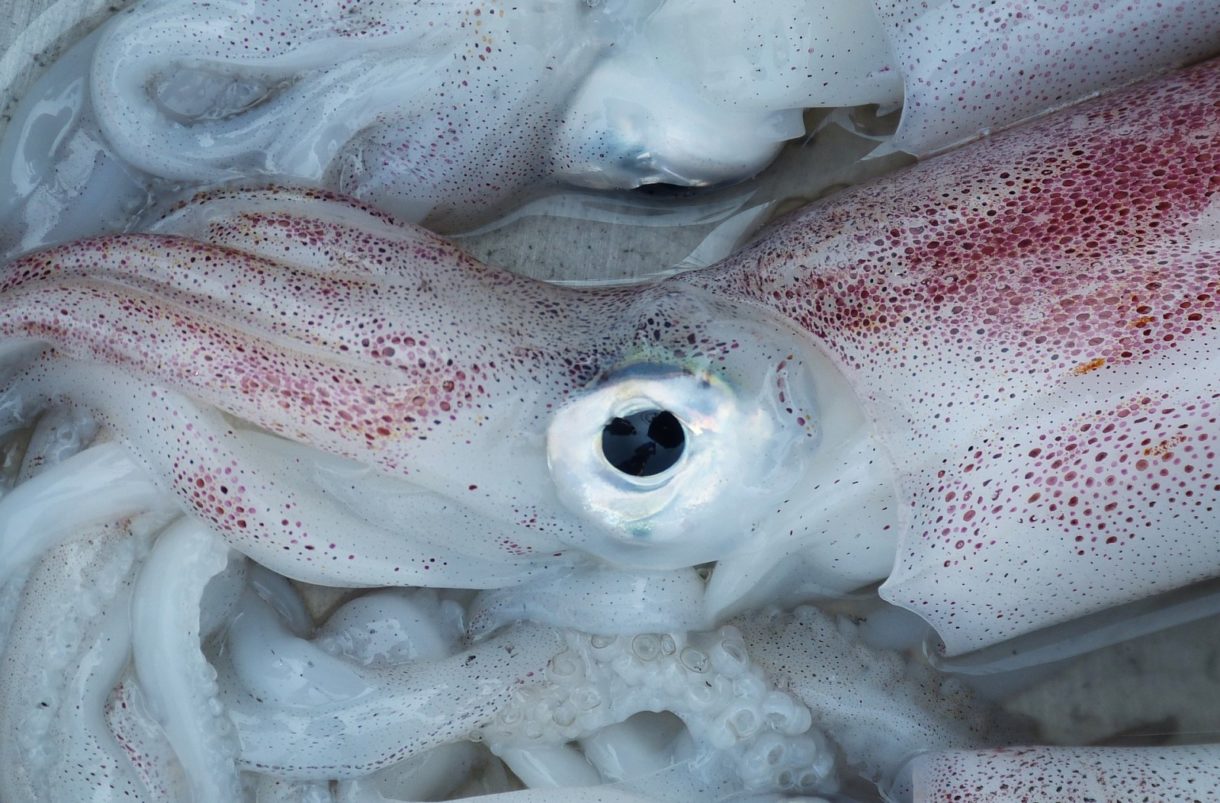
[643,444]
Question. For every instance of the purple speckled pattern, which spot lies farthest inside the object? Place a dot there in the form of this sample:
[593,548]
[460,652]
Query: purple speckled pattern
[1032,325]
[1029,323]
[1186,774]
[376,343]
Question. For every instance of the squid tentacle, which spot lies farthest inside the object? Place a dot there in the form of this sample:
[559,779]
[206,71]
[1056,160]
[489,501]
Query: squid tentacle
[237,481]
[436,774]
[417,705]
[279,223]
[706,679]
[609,603]
[879,707]
[178,684]
[69,646]
[59,434]
[96,486]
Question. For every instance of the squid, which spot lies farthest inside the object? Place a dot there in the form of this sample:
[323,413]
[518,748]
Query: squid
[367,701]
[453,112]
[987,383]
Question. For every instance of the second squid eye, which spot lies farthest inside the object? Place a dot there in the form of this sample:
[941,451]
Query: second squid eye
[645,443]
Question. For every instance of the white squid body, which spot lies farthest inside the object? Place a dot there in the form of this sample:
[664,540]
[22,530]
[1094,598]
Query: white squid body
[922,325]
[449,110]
[944,370]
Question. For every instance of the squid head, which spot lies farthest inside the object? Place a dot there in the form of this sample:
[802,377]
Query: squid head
[352,401]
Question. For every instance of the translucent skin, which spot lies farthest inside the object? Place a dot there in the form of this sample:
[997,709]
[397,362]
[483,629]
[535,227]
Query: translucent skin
[1031,326]
[999,63]
[502,96]
[1027,324]
[449,109]
[1007,775]
[313,318]
[334,329]
[455,111]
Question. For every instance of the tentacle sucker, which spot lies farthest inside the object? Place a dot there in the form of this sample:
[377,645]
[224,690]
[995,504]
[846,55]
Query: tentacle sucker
[879,707]
[706,679]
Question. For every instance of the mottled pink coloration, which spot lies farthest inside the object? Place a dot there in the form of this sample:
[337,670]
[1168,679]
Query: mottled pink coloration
[1069,774]
[144,747]
[1029,324]
[316,319]
[1032,325]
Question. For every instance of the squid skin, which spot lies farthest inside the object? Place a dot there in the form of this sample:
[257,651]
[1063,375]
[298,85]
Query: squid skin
[454,111]
[360,342]
[1024,330]
[1188,772]
[1031,326]
[999,63]
[1027,327]
[563,80]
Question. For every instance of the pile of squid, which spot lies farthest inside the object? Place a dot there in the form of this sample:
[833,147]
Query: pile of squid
[301,502]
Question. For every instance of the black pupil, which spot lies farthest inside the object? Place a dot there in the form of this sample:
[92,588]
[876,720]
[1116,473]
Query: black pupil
[643,443]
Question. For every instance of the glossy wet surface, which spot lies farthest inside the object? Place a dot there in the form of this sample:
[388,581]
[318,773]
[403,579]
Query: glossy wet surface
[1160,689]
